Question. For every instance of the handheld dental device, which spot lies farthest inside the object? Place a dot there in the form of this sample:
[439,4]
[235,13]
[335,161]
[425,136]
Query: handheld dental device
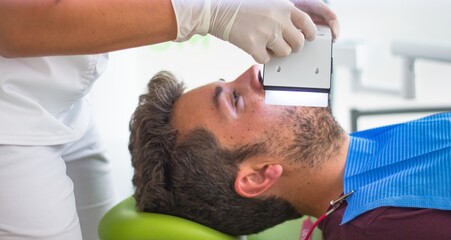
[302,78]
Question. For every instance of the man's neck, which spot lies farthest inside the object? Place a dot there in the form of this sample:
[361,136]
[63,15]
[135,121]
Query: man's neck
[313,188]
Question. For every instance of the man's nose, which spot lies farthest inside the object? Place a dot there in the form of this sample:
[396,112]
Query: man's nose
[251,78]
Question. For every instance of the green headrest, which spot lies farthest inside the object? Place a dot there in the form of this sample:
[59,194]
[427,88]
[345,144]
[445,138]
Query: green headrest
[124,222]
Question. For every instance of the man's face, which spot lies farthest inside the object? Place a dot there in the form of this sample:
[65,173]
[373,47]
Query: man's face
[234,112]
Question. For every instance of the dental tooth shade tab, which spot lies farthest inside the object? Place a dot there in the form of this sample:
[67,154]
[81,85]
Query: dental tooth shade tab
[302,78]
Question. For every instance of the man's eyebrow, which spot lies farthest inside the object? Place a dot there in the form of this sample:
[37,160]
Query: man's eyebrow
[218,91]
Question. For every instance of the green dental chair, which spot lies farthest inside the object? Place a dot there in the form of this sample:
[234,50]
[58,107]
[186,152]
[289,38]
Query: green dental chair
[123,222]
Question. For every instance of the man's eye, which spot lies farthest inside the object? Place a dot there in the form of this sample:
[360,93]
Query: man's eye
[235,97]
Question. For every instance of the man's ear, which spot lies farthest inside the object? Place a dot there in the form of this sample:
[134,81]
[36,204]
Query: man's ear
[251,182]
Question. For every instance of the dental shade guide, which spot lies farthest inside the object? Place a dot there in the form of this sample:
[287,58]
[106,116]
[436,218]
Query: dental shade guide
[302,78]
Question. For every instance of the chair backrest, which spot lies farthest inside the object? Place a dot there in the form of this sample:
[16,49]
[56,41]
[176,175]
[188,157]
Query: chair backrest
[124,222]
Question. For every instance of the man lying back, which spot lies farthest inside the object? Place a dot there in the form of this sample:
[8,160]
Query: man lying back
[220,156]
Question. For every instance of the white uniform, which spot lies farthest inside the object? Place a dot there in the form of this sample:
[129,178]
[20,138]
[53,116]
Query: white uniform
[51,162]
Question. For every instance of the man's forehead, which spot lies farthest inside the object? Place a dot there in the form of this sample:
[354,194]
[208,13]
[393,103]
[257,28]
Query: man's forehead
[201,90]
[192,108]
[193,98]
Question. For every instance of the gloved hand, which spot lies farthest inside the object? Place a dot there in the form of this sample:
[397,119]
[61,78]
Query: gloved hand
[320,13]
[259,27]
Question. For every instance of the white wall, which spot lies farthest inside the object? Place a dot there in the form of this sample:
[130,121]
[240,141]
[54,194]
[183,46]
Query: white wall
[375,23]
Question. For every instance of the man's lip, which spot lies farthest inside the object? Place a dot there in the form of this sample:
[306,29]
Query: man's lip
[260,78]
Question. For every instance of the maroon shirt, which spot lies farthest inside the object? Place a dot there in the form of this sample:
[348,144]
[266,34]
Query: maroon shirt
[390,223]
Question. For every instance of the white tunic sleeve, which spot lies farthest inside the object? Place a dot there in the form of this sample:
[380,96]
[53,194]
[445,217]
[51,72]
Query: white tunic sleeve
[42,100]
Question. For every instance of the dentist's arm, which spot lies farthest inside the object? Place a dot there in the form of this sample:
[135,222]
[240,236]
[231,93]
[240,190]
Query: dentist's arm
[68,27]
[63,27]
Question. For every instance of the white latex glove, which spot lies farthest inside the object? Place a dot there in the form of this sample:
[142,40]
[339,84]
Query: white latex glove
[260,27]
[320,13]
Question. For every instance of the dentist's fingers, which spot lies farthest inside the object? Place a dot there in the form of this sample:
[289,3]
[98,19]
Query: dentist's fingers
[333,24]
[279,47]
[294,38]
[261,56]
[321,9]
[322,14]
[302,21]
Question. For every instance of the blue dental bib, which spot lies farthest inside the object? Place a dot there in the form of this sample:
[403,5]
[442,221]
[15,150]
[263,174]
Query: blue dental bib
[402,165]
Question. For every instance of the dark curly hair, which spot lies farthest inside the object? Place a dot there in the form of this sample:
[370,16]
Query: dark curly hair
[193,178]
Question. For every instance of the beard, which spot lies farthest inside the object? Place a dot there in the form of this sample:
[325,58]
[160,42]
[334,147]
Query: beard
[315,136]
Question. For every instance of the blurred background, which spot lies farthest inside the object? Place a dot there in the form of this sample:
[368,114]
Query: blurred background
[392,63]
